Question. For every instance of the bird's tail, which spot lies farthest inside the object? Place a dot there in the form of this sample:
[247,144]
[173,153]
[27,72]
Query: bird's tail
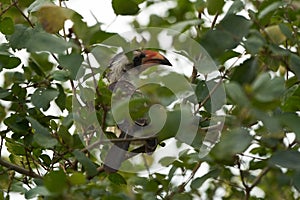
[116,154]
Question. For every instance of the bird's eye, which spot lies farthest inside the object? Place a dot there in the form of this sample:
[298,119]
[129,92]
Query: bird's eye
[137,60]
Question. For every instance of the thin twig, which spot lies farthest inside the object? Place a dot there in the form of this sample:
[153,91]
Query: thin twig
[181,187]
[259,177]
[194,74]
[214,21]
[8,7]
[210,94]
[23,14]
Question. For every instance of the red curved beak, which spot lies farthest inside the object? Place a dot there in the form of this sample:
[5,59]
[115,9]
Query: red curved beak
[154,58]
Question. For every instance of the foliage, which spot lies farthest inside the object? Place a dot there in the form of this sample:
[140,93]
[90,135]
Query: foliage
[255,45]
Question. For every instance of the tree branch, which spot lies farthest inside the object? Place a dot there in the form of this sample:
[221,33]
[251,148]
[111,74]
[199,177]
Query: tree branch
[95,144]
[8,7]
[19,169]
[23,14]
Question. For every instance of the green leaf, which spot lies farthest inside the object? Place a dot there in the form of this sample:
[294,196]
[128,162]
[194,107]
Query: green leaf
[291,99]
[15,147]
[294,63]
[9,62]
[236,94]
[166,161]
[100,36]
[254,42]
[77,179]
[7,26]
[122,7]
[275,34]
[292,122]
[61,98]
[225,36]
[2,112]
[42,135]
[53,17]
[4,93]
[72,62]
[17,123]
[286,30]
[184,25]
[287,158]
[215,6]
[42,61]
[180,196]
[37,191]
[46,159]
[117,179]
[202,92]
[266,89]
[61,75]
[246,72]
[236,7]
[231,143]
[88,165]
[42,97]
[35,40]
[198,182]
[56,182]
[296,181]
[37,4]
[270,8]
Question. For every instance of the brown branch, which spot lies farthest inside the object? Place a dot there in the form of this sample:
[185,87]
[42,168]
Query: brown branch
[7,8]
[210,93]
[194,75]
[91,146]
[23,14]
[259,177]
[19,169]
[214,21]
[248,188]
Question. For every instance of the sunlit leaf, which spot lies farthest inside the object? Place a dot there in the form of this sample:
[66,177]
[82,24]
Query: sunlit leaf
[7,26]
[53,17]
[77,178]
[275,34]
[215,6]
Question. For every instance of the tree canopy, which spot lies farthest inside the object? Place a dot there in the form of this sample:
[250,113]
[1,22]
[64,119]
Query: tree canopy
[226,116]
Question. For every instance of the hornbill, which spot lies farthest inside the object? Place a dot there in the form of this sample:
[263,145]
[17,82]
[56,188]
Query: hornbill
[118,68]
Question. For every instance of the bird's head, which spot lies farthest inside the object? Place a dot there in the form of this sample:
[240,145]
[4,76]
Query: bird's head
[139,59]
